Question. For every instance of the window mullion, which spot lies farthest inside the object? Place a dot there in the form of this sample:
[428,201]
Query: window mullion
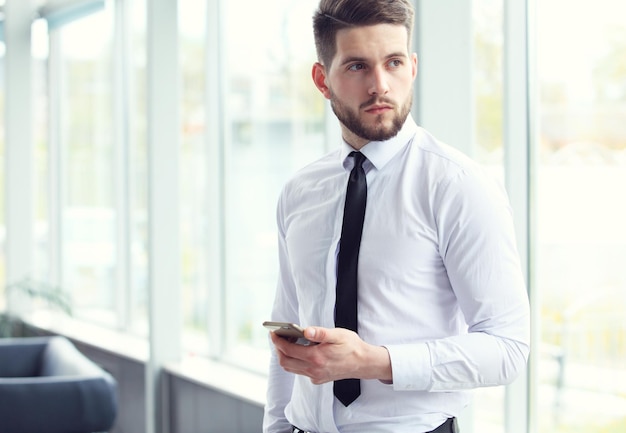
[516,109]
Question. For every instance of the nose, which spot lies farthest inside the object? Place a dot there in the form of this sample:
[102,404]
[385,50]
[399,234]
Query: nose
[379,84]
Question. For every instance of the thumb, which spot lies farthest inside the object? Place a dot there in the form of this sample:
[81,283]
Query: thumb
[318,334]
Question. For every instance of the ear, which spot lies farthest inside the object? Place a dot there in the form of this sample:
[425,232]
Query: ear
[414,61]
[319,78]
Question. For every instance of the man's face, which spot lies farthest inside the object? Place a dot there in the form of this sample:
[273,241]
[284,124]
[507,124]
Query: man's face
[370,82]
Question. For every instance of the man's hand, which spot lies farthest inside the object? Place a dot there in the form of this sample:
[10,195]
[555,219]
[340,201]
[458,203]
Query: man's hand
[340,354]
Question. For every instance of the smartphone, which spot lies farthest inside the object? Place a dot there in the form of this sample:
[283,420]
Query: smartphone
[290,331]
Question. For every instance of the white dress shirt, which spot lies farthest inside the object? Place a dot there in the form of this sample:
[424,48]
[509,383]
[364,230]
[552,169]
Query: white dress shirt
[440,285]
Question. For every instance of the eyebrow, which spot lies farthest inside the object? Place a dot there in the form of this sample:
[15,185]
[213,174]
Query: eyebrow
[352,59]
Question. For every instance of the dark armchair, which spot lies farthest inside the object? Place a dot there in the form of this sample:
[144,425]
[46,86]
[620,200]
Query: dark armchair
[48,386]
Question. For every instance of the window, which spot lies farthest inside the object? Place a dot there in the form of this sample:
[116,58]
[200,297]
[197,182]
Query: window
[87,213]
[43,187]
[487,19]
[90,161]
[133,161]
[2,180]
[196,200]
[580,238]
[271,124]
[274,125]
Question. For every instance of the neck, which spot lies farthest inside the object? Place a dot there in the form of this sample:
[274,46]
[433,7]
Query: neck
[352,139]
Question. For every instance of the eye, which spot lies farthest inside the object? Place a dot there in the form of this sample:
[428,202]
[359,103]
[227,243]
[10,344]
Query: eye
[356,67]
[395,63]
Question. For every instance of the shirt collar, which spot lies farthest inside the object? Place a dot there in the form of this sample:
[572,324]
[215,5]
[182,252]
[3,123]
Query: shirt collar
[379,153]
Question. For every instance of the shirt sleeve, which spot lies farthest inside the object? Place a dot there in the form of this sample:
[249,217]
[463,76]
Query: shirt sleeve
[477,245]
[280,382]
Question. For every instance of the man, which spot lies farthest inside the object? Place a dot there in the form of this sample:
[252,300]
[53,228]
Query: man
[442,305]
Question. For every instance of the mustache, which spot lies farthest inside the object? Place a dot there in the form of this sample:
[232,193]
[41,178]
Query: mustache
[377,100]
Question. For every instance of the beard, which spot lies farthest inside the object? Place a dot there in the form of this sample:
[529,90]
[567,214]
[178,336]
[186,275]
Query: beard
[377,131]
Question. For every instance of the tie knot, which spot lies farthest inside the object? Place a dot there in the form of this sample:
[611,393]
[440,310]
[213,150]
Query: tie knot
[358,158]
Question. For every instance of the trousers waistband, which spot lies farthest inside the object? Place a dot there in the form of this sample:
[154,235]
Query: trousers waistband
[450,426]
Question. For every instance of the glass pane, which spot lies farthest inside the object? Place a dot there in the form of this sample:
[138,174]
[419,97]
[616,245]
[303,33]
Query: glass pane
[138,170]
[274,125]
[41,253]
[488,42]
[88,214]
[488,403]
[2,175]
[194,177]
[580,242]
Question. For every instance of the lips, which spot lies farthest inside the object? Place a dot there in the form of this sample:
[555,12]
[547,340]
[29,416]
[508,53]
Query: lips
[377,109]
[377,105]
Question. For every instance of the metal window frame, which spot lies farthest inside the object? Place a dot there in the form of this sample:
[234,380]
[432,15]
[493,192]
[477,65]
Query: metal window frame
[58,14]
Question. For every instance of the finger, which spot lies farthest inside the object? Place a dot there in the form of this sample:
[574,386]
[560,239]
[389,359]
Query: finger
[318,334]
[291,359]
[289,348]
[280,343]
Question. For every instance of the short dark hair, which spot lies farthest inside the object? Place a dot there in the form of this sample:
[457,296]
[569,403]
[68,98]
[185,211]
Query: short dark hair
[334,15]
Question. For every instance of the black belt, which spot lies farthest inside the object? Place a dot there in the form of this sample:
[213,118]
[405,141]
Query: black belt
[450,426]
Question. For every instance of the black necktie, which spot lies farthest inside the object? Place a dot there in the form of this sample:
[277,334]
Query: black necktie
[347,390]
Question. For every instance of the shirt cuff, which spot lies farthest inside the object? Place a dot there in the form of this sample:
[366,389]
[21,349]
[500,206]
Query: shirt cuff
[411,367]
